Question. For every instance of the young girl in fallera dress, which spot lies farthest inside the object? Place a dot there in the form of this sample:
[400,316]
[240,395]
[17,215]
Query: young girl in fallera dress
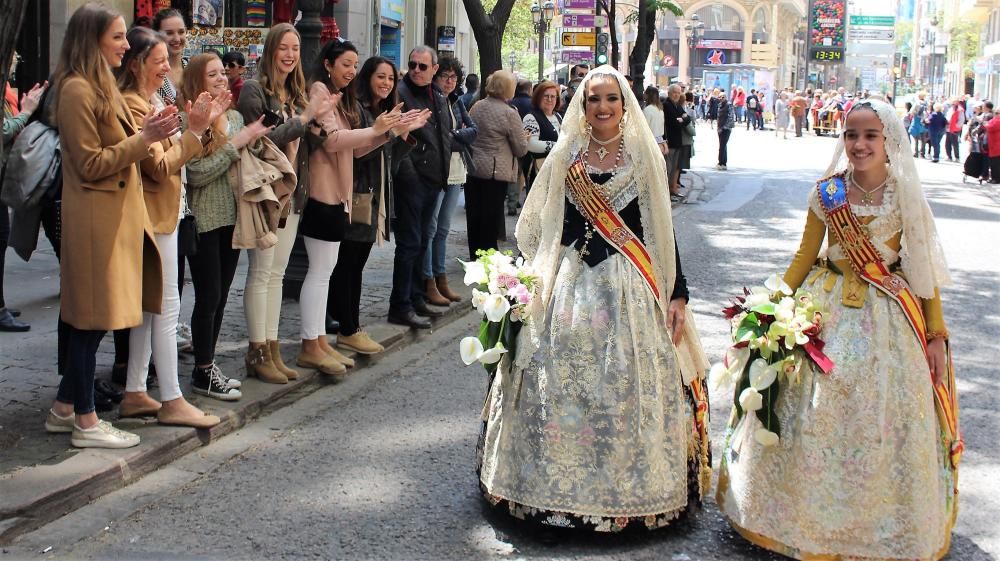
[866,465]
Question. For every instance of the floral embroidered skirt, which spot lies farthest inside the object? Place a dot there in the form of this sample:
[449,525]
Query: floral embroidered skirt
[861,470]
[597,432]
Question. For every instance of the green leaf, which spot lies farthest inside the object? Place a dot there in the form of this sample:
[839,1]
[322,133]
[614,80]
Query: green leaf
[767,415]
[767,308]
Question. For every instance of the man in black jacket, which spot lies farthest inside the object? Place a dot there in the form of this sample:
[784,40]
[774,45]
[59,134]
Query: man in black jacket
[422,174]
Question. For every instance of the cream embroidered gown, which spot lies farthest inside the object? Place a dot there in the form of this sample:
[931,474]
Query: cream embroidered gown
[861,471]
[597,432]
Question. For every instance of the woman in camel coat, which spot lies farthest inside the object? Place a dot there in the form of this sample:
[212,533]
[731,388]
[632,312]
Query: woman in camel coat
[110,267]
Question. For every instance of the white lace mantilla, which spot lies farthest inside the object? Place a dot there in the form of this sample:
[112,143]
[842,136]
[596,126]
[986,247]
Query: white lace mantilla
[621,189]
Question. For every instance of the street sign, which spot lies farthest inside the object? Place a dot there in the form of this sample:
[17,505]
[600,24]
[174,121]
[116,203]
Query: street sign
[579,39]
[576,56]
[578,4]
[584,20]
[862,33]
[873,21]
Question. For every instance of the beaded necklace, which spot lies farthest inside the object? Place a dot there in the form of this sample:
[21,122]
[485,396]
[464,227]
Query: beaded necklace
[588,228]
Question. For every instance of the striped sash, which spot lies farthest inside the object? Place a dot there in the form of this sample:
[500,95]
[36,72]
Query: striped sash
[868,264]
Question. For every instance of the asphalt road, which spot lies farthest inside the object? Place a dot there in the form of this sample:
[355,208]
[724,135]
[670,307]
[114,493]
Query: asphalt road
[382,466]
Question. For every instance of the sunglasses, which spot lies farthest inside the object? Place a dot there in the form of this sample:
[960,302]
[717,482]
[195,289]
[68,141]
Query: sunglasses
[414,65]
[233,65]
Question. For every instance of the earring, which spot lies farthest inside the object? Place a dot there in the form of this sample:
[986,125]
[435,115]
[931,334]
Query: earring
[621,125]
[589,129]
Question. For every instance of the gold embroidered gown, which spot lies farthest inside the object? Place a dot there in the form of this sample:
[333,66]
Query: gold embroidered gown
[597,432]
[861,471]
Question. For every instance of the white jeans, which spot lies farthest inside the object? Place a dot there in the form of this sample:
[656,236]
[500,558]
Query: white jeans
[157,336]
[265,275]
[316,285]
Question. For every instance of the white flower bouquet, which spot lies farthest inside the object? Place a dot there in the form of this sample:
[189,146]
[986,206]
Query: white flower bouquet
[773,333]
[502,288]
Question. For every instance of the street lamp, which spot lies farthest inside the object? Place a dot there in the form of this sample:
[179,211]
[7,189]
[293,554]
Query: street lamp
[541,17]
[513,60]
[694,30]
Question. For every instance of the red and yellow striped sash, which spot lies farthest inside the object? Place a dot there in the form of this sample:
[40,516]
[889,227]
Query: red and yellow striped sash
[605,219]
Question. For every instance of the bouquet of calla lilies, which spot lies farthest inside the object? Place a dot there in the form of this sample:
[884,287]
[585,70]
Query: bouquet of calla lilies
[774,330]
[502,288]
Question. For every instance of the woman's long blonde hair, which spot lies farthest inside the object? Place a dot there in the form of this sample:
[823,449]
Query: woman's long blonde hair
[192,86]
[295,83]
[81,56]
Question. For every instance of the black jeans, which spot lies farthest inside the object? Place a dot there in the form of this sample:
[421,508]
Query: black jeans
[723,145]
[80,362]
[951,144]
[212,272]
[483,203]
[344,301]
[995,169]
[414,209]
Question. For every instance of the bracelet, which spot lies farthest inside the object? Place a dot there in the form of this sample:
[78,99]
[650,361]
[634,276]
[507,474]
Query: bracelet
[314,123]
[935,334]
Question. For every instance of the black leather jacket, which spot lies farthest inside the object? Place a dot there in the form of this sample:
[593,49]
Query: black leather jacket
[430,159]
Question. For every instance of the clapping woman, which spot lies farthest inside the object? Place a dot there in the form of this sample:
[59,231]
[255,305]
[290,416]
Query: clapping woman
[110,271]
[139,77]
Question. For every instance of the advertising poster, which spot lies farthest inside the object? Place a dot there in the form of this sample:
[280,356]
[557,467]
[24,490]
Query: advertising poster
[207,13]
[826,23]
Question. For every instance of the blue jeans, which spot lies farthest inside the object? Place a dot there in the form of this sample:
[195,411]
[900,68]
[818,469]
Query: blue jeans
[436,233]
[80,362]
[936,144]
[414,203]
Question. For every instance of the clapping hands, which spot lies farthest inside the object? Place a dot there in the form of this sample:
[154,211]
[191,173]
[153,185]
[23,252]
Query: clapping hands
[388,120]
[158,126]
[250,133]
[205,110]
[411,121]
[30,101]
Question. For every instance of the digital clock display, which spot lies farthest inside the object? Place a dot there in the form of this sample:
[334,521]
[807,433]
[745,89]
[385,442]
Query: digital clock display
[828,55]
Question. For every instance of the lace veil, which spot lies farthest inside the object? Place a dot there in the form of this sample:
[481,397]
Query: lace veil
[539,229]
[921,255]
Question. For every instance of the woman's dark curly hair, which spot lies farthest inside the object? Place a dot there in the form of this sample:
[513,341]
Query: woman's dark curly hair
[450,64]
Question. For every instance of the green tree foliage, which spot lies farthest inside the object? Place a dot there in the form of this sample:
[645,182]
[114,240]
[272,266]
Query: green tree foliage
[965,38]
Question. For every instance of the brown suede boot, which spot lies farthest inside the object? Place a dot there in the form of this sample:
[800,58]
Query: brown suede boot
[432,296]
[260,365]
[445,290]
[275,350]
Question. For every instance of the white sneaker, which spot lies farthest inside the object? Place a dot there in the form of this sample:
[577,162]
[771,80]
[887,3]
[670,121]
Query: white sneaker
[103,435]
[55,423]
[184,338]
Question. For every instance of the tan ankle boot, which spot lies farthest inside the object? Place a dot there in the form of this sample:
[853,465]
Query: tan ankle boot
[445,290]
[432,295]
[275,350]
[260,365]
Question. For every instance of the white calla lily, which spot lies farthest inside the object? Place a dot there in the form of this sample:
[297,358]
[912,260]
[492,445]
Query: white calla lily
[489,356]
[775,283]
[756,297]
[475,273]
[719,376]
[751,400]
[496,306]
[478,297]
[765,437]
[762,374]
[471,349]
[737,358]
[785,310]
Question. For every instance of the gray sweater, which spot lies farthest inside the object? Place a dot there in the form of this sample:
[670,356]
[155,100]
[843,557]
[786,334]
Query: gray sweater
[500,140]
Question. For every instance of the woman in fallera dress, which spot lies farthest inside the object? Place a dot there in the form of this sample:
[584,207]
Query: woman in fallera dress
[866,464]
[598,419]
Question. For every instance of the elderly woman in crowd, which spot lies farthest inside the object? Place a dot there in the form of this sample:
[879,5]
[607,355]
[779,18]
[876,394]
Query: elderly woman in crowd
[543,124]
[501,141]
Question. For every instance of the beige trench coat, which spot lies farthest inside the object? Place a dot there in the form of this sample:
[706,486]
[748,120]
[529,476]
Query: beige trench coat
[110,266]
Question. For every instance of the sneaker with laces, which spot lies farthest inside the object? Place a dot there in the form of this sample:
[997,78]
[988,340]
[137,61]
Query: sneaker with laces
[210,382]
[55,423]
[103,435]
[184,338]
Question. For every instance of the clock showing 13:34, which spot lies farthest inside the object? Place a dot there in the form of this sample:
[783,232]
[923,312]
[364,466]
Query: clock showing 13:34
[828,55]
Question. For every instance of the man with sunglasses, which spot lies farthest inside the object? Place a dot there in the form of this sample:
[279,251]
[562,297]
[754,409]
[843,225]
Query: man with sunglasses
[235,65]
[422,175]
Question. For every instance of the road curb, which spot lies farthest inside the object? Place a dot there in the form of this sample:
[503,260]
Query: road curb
[37,495]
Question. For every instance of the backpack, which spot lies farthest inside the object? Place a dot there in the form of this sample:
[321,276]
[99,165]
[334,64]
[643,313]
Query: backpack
[752,102]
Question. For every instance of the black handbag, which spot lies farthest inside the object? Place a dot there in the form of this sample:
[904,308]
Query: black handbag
[187,236]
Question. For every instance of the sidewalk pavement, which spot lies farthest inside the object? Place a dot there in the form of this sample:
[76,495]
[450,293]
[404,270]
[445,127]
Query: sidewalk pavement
[43,478]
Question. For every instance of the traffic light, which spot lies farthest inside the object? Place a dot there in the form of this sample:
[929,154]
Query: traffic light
[602,48]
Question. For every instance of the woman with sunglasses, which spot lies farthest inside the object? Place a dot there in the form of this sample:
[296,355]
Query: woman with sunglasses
[279,91]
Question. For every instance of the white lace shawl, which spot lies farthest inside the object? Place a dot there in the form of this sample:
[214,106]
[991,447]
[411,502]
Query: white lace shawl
[539,229]
[921,256]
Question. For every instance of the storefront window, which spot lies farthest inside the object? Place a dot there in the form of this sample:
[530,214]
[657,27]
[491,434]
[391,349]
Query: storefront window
[720,17]
[760,23]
